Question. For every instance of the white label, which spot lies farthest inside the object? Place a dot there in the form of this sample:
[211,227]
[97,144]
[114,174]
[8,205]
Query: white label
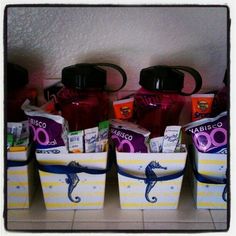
[171,138]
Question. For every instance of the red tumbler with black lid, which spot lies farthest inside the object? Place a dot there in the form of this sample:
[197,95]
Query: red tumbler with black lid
[159,101]
[17,92]
[84,100]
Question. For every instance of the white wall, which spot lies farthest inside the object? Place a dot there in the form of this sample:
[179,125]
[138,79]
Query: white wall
[44,40]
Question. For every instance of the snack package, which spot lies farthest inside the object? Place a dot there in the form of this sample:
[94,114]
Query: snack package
[171,138]
[75,141]
[25,129]
[90,139]
[50,106]
[123,109]
[201,105]
[210,134]
[156,144]
[102,145]
[128,137]
[24,141]
[103,130]
[47,130]
[180,148]
[10,140]
[17,136]
[14,128]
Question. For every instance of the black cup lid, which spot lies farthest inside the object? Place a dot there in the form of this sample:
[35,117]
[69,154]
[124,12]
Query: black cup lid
[82,76]
[17,76]
[162,78]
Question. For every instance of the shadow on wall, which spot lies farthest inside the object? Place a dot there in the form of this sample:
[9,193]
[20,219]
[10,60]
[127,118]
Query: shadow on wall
[31,61]
[34,63]
[114,78]
[202,59]
[181,58]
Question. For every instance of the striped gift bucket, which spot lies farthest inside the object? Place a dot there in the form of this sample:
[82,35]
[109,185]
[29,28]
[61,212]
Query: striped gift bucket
[22,179]
[150,180]
[73,181]
[209,180]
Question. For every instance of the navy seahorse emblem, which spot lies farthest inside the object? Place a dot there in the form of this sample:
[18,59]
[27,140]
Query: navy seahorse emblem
[72,180]
[224,194]
[150,175]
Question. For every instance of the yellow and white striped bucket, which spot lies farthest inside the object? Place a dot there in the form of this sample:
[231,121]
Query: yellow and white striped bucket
[77,190]
[21,181]
[146,194]
[209,195]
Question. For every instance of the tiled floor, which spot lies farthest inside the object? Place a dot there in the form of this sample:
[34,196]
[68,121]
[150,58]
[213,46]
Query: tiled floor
[112,218]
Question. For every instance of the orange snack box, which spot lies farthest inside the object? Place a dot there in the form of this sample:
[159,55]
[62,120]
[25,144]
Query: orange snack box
[123,109]
[201,106]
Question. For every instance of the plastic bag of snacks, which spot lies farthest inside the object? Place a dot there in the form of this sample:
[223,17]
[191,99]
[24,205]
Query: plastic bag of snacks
[128,137]
[48,131]
[51,134]
[210,134]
